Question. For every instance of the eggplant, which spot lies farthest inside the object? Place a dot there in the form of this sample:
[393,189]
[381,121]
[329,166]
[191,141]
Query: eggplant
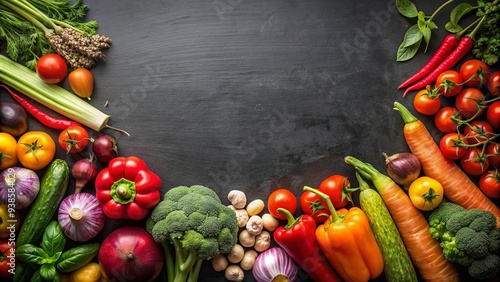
[13,118]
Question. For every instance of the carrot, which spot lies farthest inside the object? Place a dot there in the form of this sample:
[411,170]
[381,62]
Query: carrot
[424,251]
[458,187]
[449,43]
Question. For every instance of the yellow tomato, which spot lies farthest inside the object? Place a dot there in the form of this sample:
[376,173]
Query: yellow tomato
[425,193]
[91,272]
[10,221]
[8,155]
[35,149]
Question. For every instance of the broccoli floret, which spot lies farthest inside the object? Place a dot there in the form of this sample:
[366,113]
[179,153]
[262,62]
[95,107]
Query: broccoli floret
[197,223]
[485,268]
[468,237]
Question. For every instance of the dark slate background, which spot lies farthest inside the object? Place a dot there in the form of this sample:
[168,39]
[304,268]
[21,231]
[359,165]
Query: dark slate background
[253,95]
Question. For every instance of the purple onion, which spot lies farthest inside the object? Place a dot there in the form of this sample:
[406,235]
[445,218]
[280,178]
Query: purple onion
[274,264]
[81,217]
[18,186]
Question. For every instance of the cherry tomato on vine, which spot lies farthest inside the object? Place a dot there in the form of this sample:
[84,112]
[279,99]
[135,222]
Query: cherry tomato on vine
[474,72]
[493,154]
[81,82]
[493,114]
[493,83]
[478,131]
[281,198]
[450,145]
[313,205]
[51,68]
[489,183]
[449,83]
[426,193]
[73,139]
[443,120]
[469,102]
[337,187]
[474,162]
[426,102]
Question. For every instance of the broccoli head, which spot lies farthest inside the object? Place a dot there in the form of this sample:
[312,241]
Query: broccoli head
[197,224]
[468,237]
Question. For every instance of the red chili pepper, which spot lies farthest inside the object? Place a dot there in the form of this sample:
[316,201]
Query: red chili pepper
[127,188]
[42,117]
[464,46]
[449,42]
[298,239]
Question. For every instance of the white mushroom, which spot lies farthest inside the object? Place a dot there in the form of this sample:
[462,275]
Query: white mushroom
[237,198]
[248,259]
[262,241]
[236,254]
[246,239]
[234,273]
[254,225]
[242,217]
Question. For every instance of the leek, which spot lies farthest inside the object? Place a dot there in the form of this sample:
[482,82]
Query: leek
[52,96]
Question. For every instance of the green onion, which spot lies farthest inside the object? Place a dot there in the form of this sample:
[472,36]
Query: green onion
[52,96]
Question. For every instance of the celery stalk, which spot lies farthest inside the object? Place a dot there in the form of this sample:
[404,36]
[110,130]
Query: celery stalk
[52,96]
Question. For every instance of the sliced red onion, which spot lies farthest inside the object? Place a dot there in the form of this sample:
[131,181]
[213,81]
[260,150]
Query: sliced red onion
[274,264]
[81,217]
[20,185]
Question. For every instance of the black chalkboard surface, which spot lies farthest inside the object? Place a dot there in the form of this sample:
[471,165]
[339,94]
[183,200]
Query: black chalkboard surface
[254,95]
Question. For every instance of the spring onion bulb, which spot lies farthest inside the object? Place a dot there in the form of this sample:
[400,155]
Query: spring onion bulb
[81,217]
[274,265]
[52,96]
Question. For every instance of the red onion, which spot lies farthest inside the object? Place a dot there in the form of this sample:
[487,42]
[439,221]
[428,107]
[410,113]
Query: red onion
[83,171]
[274,265]
[81,217]
[20,184]
[403,168]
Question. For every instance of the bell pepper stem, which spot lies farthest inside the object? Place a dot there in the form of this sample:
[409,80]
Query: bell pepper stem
[333,212]
[291,220]
[123,191]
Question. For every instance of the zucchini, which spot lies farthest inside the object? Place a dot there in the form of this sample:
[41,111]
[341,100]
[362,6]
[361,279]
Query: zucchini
[52,189]
[398,266]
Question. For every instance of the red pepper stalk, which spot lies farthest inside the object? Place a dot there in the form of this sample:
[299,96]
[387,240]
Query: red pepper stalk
[127,188]
[298,239]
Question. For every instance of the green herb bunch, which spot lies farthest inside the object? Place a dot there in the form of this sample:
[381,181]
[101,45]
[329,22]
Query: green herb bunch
[486,27]
[32,28]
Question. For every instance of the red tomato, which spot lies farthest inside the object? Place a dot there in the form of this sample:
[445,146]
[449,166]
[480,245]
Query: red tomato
[449,83]
[493,154]
[443,120]
[313,205]
[474,72]
[478,131]
[426,102]
[474,162]
[73,139]
[337,188]
[450,145]
[6,265]
[493,114]
[493,83]
[469,102]
[51,68]
[489,183]
[281,198]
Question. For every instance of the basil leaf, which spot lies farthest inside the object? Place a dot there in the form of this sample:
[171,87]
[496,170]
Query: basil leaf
[37,277]
[407,52]
[412,36]
[459,11]
[53,239]
[427,38]
[48,272]
[77,257]
[30,254]
[407,8]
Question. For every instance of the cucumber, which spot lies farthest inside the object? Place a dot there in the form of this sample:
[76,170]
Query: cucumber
[398,266]
[52,189]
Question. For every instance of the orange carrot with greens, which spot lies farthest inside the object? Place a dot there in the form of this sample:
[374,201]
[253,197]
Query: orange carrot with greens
[424,251]
[458,187]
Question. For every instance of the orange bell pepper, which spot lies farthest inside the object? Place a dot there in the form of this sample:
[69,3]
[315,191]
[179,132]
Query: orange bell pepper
[347,241]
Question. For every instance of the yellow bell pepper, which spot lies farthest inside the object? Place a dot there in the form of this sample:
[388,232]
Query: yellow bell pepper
[347,241]
[91,272]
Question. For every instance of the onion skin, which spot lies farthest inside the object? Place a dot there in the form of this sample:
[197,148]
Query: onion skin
[274,265]
[81,217]
[403,168]
[22,182]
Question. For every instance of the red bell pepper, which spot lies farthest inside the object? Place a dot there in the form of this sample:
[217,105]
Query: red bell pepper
[298,239]
[127,189]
